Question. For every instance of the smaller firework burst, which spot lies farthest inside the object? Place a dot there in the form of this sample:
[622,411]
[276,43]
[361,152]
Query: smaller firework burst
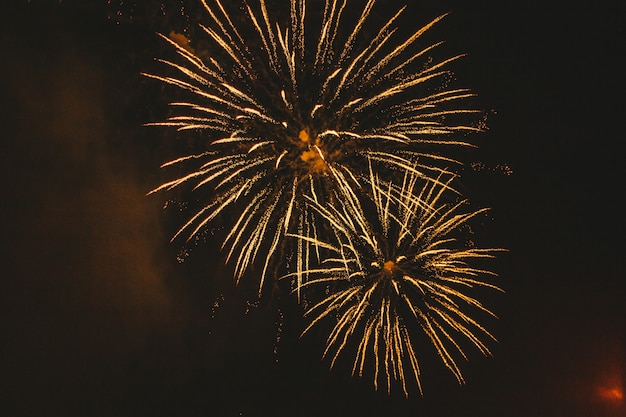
[397,275]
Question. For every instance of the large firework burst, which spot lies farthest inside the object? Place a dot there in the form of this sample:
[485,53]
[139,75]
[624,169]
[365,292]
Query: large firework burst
[400,272]
[285,117]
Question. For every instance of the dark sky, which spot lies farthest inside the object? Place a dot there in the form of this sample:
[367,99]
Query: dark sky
[100,319]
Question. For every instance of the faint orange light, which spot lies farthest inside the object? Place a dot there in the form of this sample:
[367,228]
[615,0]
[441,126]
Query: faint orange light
[611,394]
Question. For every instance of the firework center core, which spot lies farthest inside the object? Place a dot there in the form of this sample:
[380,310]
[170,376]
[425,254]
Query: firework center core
[389,267]
[312,153]
[304,136]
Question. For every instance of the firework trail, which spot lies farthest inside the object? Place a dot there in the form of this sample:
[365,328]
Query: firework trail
[397,274]
[289,115]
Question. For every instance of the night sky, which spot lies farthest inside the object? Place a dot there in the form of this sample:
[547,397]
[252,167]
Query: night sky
[100,318]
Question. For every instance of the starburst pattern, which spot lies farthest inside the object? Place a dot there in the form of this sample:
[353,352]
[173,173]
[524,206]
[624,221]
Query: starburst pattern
[397,273]
[286,121]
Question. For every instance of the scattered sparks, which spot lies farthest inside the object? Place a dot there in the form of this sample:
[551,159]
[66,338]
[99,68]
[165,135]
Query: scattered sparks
[288,121]
[397,274]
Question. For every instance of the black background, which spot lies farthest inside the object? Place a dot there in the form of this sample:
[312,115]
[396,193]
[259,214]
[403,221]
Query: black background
[100,319]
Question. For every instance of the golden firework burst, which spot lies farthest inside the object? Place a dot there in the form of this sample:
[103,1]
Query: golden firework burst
[283,120]
[386,277]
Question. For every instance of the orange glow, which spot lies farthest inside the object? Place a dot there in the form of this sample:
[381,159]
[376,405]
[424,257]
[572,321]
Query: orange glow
[181,40]
[611,394]
[316,163]
[389,266]
[313,155]
[304,136]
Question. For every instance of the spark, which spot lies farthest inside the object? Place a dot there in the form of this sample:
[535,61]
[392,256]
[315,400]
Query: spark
[402,272]
[286,122]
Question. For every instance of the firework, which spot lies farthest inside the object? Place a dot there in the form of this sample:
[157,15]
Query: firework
[288,115]
[401,273]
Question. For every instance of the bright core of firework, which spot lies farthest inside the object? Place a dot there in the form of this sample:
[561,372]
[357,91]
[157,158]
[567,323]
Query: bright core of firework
[289,117]
[385,278]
